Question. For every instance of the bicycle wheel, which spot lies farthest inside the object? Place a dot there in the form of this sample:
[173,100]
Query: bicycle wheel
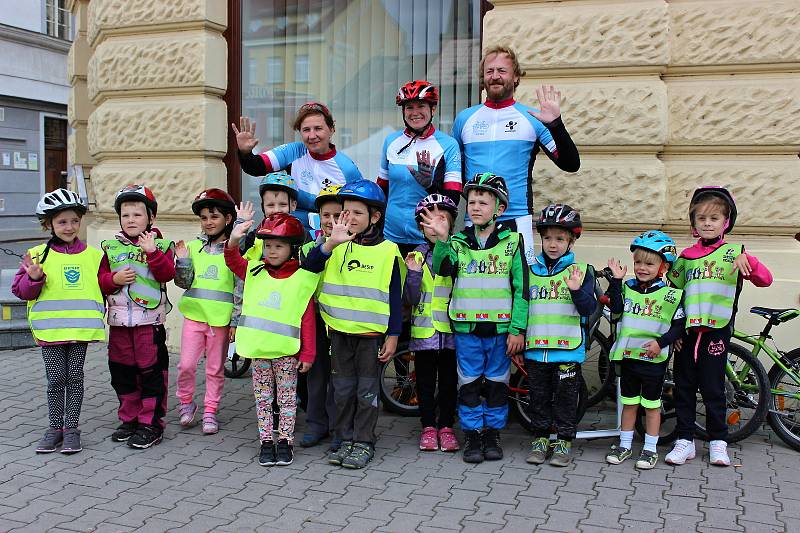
[746,397]
[598,375]
[783,412]
[235,366]
[399,383]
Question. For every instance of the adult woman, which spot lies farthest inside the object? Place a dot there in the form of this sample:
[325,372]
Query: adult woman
[314,163]
[417,161]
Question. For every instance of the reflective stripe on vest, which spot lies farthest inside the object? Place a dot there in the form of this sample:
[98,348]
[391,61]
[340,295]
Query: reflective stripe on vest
[354,296]
[482,289]
[210,298]
[430,314]
[70,305]
[272,313]
[553,320]
[710,286]
[145,291]
[645,317]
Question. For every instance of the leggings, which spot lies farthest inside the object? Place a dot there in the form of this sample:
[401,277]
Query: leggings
[63,365]
[271,376]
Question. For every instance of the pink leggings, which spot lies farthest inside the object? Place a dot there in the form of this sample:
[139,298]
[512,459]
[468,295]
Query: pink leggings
[198,338]
[276,378]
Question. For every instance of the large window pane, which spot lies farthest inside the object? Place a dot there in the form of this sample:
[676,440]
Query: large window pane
[353,55]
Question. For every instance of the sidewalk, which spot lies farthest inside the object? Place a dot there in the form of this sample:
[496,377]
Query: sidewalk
[192,482]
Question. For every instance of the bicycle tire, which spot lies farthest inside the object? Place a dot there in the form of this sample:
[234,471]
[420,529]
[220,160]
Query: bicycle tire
[777,413]
[737,399]
[235,367]
[397,391]
[598,367]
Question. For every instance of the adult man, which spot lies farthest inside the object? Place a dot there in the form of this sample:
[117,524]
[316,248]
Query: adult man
[503,136]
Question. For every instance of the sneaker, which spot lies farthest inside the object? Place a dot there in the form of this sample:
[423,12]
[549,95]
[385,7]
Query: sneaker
[429,439]
[618,454]
[310,439]
[210,424]
[145,437]
[187,412]
[647,460]
[283,453]
[491,445]
[717,449]
[337,456]
[50,441]
[561,456]
[539,449]
[683,450]
[124,431]
[473,448]
[267,455]
[447,440]
[72,441]
[360,454]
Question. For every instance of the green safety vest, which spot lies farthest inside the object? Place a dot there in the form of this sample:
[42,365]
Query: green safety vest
[354,297]
[255,252]
[430,314]
[145,291]
[709,286]
[272,311]
[553,320]
[70,306]
[482,290]
[210,298]
[646,317]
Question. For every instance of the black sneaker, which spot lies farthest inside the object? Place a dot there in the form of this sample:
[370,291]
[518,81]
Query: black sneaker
[145,437]
[473,448]
[267,456]
[124,431]
[283,453]
[491,445]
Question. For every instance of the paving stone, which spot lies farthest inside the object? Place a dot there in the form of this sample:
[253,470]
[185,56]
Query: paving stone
[679,522]
[603,517]
[533,507]
[718,518]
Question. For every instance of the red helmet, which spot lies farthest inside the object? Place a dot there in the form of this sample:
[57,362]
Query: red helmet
[214,197]
[136,193]
[282,226]
[418,90]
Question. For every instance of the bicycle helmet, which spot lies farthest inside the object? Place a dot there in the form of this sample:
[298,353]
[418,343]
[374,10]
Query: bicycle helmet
[560,216]
[418,90]
[281,226]
[365,191]
[57,201]
[704,192]
[214,197]
[278,181]
[488,182]
[136,193]
[327,194]
[435,200]
[658,242]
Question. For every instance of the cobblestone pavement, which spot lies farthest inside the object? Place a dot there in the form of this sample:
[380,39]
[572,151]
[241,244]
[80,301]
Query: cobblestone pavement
[192,482]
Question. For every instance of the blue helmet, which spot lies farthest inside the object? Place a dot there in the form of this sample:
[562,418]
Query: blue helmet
[365,191]
[658,242]
[278,181]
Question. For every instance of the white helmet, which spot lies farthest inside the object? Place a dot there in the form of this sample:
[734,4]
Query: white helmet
[59,200]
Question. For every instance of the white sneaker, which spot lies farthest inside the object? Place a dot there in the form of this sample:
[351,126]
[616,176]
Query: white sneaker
[718,449]
[683,450]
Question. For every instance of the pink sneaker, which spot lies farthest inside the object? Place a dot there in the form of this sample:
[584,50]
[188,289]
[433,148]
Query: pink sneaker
[447,440]
[210,425]
[187,412]
[427,440]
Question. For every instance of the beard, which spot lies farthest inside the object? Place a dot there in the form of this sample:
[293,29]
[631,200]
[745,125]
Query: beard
[499,92]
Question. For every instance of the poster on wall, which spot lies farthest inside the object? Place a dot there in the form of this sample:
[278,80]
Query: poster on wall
[6,162]
[20,162]
[33,161]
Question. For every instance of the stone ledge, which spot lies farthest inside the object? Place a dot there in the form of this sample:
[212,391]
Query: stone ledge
[78,147]
[78,105]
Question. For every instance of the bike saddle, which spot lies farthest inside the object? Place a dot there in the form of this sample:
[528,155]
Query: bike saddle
[775,315]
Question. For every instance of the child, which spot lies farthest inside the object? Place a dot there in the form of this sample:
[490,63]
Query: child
[278,193]
[136,266]
[206,305]
[650,319]
[488,308]
[361,302]
[431,334]
[561,300]
[321,406]
[65,311]
[276,327]
[710,298]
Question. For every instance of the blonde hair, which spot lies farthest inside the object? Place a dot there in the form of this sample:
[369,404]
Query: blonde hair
[647,255]
[548,229]
[499,49]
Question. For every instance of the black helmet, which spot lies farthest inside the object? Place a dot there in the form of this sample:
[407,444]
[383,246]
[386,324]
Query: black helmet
[488,182]
[702,193]
[560,216]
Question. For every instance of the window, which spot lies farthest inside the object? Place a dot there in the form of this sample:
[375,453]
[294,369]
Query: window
[252,72]
[301,69]
[275,70]
[57,19]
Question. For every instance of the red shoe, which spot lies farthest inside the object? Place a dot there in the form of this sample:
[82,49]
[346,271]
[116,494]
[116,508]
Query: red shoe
[427,440]
[447,440]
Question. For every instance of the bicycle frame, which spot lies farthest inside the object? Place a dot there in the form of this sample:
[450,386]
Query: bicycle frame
[758,345]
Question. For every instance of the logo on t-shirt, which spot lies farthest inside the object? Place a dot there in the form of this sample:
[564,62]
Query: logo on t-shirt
[480,128]
[210,273]
[510,125]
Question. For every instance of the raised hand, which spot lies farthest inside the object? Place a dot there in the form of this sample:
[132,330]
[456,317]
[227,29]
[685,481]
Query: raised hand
[424,171]
[245,134]
[147,241]
[549,104]
[575,278]
[181,251]
[32,267]
[436,221]
[413,262]
[126,276]
[245,211]
[617,269]
[339,233]
[239,231]
[742,264]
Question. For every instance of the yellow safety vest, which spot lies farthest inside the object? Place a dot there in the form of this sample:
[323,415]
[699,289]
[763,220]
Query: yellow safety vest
[430,314]
[210,298]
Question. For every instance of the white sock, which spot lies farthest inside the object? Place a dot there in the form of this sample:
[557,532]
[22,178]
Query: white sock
[626,439]
[650,442]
